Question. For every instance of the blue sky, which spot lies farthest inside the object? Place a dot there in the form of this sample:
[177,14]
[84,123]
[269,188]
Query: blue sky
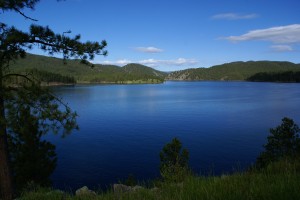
[176,34]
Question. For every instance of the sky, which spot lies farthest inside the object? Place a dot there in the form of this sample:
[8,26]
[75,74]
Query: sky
[171,35]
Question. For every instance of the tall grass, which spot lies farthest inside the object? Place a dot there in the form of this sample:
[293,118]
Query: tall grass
[280,180]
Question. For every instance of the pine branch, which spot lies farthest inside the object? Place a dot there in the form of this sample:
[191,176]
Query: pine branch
[21,13]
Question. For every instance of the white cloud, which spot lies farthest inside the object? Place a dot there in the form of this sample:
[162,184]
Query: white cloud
[281,48]
[150,62]
[153,62]
[279,35]
[177,62]
[148,49]
[234,16]
[118,62]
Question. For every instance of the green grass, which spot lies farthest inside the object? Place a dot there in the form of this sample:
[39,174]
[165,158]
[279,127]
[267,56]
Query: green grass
[279,181]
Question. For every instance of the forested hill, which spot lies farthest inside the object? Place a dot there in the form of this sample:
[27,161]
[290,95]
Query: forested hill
[233,71]
[74,71]
[131,73]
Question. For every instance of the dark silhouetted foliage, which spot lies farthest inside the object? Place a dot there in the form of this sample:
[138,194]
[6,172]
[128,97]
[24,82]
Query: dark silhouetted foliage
[33,159]
[288,77]
[174,161]
[131,180]
[43,105]
[283,142]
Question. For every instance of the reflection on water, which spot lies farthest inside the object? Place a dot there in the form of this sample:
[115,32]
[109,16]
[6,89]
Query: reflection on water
[124,127]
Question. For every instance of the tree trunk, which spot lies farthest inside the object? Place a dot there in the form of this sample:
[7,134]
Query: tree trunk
[6,186]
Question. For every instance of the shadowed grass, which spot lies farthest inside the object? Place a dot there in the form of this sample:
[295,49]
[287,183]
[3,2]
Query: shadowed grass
[280,180]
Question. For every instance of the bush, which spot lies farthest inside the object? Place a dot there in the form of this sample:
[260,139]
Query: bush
[174,162]
[283,142]
[130,181]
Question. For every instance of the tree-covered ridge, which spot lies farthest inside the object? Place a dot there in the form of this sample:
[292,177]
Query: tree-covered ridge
[136,73]
[41,77]
[143,70]
[287,77]
[233,71]
[131,73]
[48,77]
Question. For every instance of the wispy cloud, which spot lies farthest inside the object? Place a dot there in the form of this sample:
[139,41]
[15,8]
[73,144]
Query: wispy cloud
[148,49]
[282,48]
[177,62]
[289,34]
[234,16]
[117,62]
[153,62]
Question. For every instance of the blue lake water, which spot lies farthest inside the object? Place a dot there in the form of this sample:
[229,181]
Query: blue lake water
[124,127]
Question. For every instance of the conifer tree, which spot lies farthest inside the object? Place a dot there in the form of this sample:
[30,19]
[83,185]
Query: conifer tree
[33,159]
[13,45]
[174,161]
[283,142]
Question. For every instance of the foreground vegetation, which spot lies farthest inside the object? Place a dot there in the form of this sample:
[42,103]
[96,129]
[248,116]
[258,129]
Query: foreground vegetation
[280,180]
[26,108]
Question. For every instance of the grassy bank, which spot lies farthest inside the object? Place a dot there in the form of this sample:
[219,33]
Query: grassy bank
[280,180]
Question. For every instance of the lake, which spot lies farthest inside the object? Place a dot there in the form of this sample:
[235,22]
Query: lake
[124,127]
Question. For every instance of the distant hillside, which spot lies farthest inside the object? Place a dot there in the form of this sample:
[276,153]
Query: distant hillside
[287,77]
[131,73]
[136,73]
[233,71]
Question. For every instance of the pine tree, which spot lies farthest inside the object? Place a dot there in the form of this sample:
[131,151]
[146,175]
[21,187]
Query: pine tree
[283,142]
[174,161]
[33,159]
[13,45]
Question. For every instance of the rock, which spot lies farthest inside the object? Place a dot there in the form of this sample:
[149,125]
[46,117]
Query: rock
[155,189]
[137,187]
[85,191]
[120,188]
